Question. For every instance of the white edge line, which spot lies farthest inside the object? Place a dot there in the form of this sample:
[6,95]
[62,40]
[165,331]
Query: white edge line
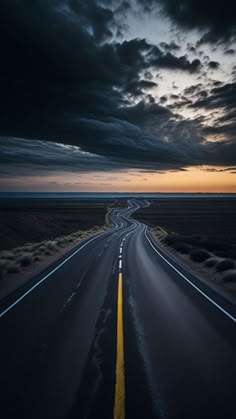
[49,274]
[46,276]
[188,280]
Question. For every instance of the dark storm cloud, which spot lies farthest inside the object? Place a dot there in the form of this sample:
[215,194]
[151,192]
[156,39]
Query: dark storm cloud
[213,65]
[99,18]
[136,87]
[53,62]
[216,19]
[180,103]
[217,83]
[148,75]
[229,51]
[163,99]
[171,62]
[41,157]
[191,48]
[53,65]
[223,100]
[171,47]
[65,78]
[192,90]
[222,97]
[228,169]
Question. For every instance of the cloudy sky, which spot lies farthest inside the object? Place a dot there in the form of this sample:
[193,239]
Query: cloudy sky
[115,95]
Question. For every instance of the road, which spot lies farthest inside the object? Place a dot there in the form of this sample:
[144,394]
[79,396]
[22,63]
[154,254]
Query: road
[117,329]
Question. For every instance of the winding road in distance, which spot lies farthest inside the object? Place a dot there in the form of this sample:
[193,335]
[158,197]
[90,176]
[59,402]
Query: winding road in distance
[117,329]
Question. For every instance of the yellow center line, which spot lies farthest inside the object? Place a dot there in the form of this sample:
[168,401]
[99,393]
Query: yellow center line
[119,408]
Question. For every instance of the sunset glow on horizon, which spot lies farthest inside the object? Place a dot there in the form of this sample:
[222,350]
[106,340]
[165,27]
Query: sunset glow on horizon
[207,179]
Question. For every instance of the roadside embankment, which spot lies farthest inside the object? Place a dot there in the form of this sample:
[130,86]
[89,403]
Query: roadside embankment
[20,264]
[212,261]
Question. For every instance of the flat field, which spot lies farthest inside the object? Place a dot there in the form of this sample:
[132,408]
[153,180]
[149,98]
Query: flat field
[200,231]
[34,220]
[214,218]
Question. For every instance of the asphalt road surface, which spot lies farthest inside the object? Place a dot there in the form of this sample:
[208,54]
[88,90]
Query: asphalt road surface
[117,329]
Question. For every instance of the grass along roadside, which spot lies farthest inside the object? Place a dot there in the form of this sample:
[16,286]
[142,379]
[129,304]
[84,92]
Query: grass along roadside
[20,264]
[212,261]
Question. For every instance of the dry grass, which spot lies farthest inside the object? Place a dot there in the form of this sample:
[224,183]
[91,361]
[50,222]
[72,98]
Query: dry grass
[42,249]
[12,261]
[25,259]
[52,245]
[47,252]
[171,239]
[182,247]
[60,241]
[211,262]
[7,255]
[212,254]
[199,255]
[225,265]
[229,276]
[13,268]
[3,267]
[37,258]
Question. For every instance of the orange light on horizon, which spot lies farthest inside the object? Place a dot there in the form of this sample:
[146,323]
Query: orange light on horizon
[194,179]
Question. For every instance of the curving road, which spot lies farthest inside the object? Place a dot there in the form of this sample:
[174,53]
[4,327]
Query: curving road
[117,329]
